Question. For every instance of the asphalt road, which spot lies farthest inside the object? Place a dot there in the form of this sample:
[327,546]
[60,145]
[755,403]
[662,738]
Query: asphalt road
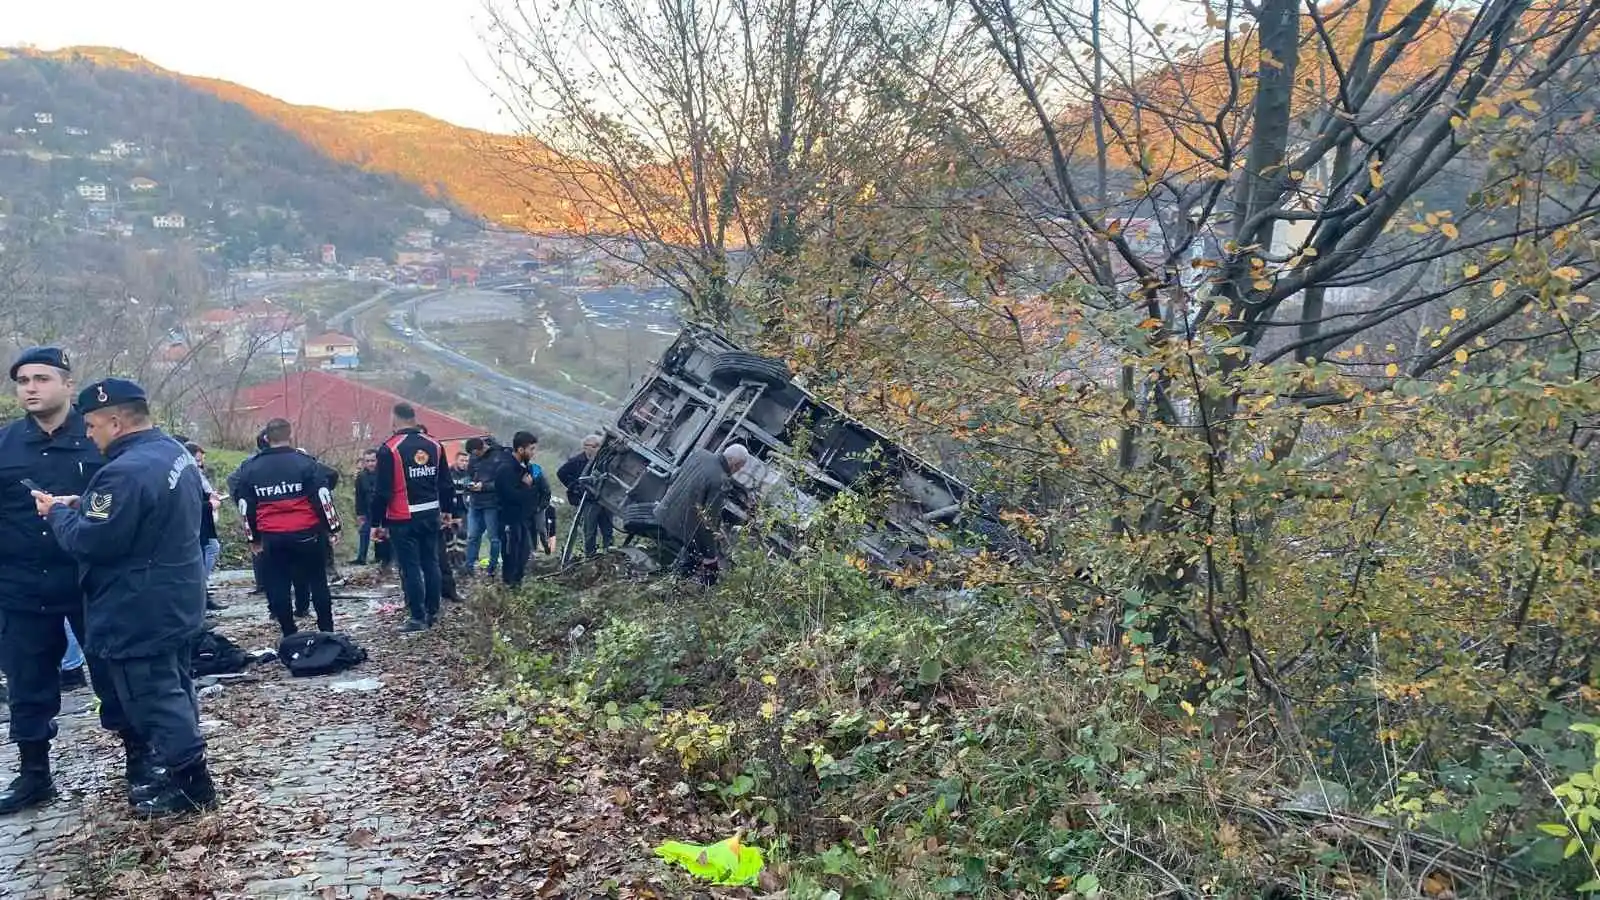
[541,407]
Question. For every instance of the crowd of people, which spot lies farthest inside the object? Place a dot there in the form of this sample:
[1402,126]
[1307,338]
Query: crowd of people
[109,536]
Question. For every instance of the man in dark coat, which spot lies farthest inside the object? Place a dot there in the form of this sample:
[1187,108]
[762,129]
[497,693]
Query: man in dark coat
[136,536]
[522,492]
[287,507]
[483,503]
[364,489]
[691,509]
[39,586]
[596,519]
[413,489]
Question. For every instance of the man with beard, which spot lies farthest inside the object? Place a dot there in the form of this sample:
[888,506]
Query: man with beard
[49,448]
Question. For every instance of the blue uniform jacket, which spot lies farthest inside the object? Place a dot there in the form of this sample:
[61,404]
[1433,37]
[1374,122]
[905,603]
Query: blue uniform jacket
[136,536]
[36,575]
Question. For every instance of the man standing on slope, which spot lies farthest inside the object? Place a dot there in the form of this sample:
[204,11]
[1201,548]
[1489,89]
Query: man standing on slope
[39,584]
[412,488]
[136,536]
[287,507]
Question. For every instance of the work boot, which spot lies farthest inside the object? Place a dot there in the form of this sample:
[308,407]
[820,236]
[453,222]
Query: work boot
[145,778]
[185,790]
[32,786]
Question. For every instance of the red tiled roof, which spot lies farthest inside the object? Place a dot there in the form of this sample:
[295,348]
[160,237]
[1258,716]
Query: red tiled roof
[330,413]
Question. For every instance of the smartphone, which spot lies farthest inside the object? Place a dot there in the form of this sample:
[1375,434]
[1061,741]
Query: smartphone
[31,485]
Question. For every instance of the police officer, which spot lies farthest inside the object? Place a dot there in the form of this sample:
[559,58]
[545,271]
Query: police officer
[136,535]
[410,500]
[287,506]
[39,581]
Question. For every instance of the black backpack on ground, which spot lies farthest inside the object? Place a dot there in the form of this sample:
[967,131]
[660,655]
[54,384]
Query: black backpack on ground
[307,653]
[216,655]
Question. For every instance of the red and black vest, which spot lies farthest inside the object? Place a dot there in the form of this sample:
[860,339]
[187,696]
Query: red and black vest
[411,478]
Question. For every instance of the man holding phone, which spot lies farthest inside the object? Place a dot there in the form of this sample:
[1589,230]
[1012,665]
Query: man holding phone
[47,450]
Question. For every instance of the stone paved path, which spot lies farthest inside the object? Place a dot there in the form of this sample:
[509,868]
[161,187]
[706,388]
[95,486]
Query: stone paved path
[318,782]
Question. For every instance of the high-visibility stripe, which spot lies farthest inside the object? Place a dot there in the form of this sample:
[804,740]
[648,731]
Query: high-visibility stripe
[423,507]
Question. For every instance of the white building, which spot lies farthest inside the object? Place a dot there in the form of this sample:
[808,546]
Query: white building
[437,215]
[171,220]
[93,191]
[43,118]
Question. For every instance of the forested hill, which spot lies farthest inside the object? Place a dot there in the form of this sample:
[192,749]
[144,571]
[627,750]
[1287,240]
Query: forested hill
[161,146]
[466,167]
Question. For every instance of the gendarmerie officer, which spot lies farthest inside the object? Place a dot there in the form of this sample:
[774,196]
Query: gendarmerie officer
[136,535]
[287,505]
[39,581]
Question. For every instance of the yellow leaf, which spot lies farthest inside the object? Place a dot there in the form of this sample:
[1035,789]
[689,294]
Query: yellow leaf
[1261,284]
[1461,355]
[1532,106]
[1375,172]
[1188,708]
[1450,231]
[1457,314]
[1391,370]
[1151,322]
[1224,308]
[1358,349]
[1417,228]
[1567,273]
[1470,270]
[1499,289]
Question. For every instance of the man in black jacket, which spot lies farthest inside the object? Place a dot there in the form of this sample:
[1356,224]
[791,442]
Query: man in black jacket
[39,584]
[523,493]
[288,512]
[364,488]
[596,518]
[483,505]
[413,486]
[136,536]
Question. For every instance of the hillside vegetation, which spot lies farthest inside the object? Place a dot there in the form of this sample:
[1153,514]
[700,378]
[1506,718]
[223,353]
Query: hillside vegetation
[212,161]
[474,169]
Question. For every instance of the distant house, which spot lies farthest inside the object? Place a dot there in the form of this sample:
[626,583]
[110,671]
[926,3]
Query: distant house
[324,349]
[330,255]
[437,215]
[143,185]
[93,191]
[170,220]
[43,118]
[418,238]
[334,415]
[260,329]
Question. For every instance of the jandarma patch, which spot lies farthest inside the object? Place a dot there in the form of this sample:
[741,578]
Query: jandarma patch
[99,506]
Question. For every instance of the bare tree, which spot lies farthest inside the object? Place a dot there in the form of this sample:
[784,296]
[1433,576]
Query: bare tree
[712,140]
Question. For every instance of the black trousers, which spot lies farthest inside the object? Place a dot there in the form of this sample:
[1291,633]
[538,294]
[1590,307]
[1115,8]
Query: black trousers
[31,647]
[447,571]
[288,559]
[158,694]
[516,545]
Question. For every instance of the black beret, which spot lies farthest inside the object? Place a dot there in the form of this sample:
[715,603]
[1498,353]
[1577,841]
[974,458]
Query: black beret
[110,392]
[42,356]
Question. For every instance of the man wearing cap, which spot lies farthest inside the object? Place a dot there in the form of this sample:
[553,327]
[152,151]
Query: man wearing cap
[136,535]
[39,581]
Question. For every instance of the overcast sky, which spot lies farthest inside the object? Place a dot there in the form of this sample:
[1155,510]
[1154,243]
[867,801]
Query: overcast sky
[348,54]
